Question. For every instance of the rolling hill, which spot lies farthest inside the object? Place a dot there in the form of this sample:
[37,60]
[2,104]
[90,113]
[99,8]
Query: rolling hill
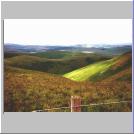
[64,62]
[48,54]
[28,90]
[104,69]
[59,54]
[44,80]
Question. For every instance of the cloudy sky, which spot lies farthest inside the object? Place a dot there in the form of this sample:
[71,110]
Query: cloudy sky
[67,31]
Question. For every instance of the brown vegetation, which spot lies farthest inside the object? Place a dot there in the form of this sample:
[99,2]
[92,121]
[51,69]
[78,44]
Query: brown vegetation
[27,90]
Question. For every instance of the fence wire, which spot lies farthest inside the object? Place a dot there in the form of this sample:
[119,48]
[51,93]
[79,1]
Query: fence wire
[85,105]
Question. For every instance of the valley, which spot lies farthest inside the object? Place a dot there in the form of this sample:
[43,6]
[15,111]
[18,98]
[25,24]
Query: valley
[47,79]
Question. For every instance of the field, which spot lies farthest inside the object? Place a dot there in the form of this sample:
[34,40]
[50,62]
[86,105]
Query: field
[101,70]
[46,80]
[82,73]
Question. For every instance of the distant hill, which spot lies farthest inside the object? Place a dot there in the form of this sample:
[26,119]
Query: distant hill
[60,54]
[9,47]
[110,69]
[64,61]
[110,50]
[48,54]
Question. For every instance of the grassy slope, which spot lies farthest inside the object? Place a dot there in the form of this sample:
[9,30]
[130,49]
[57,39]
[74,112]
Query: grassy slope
[85,73]
[56,66]
[101,70]
[28,90]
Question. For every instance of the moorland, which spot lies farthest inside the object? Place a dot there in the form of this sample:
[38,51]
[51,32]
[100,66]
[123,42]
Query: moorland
[45,77]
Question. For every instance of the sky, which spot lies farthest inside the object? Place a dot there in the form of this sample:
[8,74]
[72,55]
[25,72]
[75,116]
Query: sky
[67,31]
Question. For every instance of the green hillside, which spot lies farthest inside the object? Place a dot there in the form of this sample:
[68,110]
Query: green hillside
[101,70]
[55,66]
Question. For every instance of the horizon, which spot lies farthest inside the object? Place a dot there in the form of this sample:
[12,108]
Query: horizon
[73,45]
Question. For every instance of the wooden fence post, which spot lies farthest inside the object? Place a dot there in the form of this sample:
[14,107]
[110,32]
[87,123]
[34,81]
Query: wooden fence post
[75,104]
